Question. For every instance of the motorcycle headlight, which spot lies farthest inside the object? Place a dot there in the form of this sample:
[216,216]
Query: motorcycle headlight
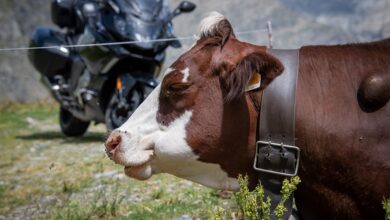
[121,27]
[139,37]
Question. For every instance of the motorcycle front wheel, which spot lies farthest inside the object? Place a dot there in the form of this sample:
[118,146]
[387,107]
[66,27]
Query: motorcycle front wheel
[120,108]
[70,125]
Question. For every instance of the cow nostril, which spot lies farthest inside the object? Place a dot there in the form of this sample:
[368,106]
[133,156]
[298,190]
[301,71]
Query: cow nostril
[113,142]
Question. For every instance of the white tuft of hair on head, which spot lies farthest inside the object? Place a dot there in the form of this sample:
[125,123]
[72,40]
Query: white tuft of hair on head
[209,24]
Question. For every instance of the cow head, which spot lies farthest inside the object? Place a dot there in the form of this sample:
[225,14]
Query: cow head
[198,124]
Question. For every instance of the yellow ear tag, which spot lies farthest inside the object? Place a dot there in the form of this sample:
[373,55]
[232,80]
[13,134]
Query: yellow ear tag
[254,82]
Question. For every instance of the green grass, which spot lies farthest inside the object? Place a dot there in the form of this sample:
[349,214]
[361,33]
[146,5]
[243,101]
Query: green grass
[45,175]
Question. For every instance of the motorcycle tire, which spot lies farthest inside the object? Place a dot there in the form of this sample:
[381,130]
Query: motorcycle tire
[114,117]
[70,125]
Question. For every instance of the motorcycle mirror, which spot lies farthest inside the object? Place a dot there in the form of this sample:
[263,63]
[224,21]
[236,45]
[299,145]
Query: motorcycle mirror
[90,12]
[184,6]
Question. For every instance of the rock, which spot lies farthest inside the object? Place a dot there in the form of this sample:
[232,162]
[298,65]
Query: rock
[185,217]
[106,174]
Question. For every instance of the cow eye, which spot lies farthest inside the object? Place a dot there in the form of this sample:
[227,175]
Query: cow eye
[178,87]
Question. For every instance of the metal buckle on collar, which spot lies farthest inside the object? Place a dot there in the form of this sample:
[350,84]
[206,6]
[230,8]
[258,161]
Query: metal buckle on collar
[277,159]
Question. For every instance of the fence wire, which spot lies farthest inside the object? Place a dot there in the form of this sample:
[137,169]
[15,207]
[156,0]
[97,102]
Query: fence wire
[193,37]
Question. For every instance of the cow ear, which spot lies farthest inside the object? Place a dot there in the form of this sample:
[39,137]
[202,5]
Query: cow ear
[254,69]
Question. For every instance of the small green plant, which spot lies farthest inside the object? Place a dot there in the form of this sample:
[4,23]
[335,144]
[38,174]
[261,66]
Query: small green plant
[386,207]
[102,206]
[254,204]
[288,188]
[217,214]
[158,194]
[264,207]
[246,200]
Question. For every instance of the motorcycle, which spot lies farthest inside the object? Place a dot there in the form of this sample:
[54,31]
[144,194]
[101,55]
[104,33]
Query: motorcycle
[105,82]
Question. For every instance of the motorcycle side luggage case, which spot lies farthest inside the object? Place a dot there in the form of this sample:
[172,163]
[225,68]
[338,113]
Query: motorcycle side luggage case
[49,61]
[63,13]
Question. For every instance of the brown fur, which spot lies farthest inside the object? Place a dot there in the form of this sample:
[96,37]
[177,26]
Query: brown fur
[345,151]
[234,81]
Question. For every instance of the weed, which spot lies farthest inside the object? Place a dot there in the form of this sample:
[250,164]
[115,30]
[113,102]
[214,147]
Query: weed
[158,194]
[254,204]
[76,186]
[386,207]
[217,214]
[71,211]
[105,204]
[3,189]
[264,207]
[68,188]
[246,200]
[288,188]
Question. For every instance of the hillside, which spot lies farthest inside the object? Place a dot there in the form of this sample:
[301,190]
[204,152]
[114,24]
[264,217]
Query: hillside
[295,23]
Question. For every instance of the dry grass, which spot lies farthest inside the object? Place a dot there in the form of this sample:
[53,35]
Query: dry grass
[44,175]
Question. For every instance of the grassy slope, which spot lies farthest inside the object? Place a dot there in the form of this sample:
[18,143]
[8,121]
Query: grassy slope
[44,175]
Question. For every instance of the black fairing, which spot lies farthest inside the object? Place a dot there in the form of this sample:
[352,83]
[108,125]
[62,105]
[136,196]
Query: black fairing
[63,13]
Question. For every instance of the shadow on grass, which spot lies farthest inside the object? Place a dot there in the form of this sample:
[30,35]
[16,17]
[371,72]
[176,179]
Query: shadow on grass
[53,135]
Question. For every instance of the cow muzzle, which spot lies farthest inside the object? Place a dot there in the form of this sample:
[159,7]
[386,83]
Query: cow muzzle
[112,144]
[128,152]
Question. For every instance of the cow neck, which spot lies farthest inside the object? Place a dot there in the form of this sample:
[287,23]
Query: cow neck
[276,154]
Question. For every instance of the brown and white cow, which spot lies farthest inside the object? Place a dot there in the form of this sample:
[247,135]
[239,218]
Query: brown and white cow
[200,124]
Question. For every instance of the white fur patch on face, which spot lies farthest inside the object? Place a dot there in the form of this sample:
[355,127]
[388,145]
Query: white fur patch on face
[172,143]
[186,74]
[207,174]
[209,24]
[139,130]
[175,156]
[213,176]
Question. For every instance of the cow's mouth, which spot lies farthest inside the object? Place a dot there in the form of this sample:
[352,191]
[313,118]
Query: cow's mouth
[139,172]
[133,160]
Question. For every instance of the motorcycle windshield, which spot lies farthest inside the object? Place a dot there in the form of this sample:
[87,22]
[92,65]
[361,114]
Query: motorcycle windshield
[146,10]
[145,20]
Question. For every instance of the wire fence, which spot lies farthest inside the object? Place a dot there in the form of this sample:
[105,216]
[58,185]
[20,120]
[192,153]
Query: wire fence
[182,38]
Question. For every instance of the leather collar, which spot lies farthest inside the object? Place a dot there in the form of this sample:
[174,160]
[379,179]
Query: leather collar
[277,157]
